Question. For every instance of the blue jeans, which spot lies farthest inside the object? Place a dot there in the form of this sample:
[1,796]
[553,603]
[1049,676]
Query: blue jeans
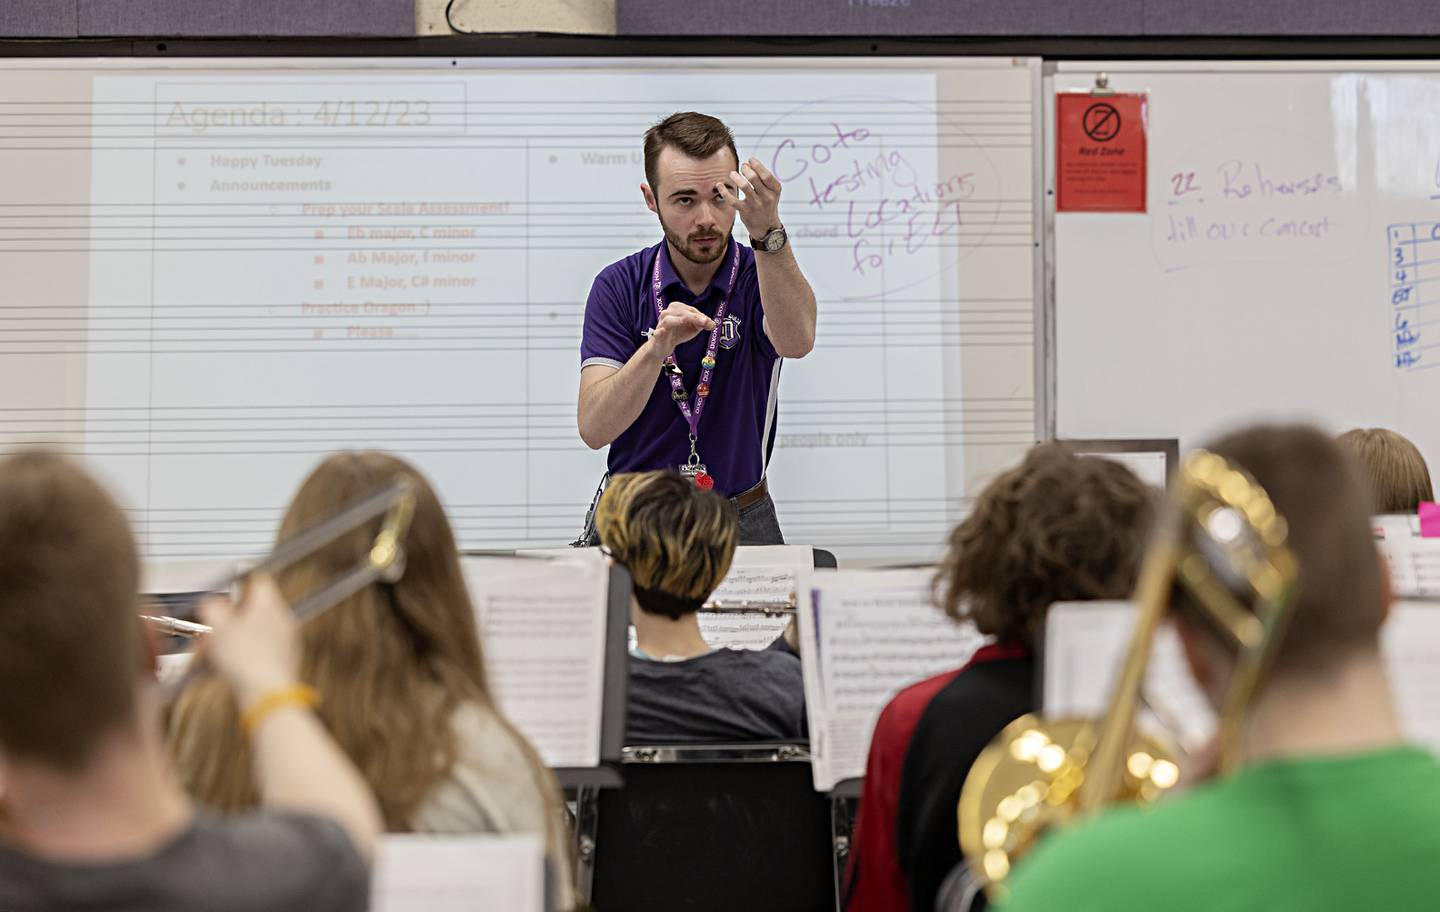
[759,525]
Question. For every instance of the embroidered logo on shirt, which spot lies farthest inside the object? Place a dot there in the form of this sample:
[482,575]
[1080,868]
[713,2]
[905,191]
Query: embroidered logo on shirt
[729,332]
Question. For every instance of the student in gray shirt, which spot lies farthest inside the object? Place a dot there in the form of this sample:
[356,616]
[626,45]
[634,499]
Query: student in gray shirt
[677,541]
[90,815]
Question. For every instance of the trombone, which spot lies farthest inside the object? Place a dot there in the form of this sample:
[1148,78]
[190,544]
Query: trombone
[384,560]
[1221,553]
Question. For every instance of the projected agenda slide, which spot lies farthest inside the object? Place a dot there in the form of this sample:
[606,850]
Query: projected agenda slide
[280,263]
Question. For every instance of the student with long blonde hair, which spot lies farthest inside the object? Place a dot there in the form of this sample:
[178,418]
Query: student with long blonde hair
[401,677]
[91,817]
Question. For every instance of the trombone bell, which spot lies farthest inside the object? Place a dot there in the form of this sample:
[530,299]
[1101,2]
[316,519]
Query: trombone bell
[1027,782]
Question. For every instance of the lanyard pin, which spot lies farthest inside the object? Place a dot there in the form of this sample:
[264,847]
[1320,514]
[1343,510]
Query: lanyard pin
[669,363]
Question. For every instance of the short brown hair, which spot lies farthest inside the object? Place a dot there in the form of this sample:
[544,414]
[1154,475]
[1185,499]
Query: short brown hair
[69,628]
[1326,505]
[1398,476]
[1058,527]
[676,540]
[697,135]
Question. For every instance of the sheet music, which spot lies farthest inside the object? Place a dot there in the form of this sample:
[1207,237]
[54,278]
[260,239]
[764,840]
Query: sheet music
[865,635]
[1085,645]
[764,573]
[459,874]
[1410,640]
[757,585]
[1425,559]
[542,624]
[759,575]
[742,631]
[1414,564]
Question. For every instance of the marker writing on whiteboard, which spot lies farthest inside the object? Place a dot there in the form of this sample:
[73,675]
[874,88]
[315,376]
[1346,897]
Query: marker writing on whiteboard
[1407,296]
[889,210]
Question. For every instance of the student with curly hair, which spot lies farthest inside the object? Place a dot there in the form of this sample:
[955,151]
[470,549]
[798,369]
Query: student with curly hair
[677,541]
[1058,527]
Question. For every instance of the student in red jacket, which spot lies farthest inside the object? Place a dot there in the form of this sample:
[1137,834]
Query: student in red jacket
[1059,527]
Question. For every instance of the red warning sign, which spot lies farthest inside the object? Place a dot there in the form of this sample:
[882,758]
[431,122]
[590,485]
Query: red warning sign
[1100,153]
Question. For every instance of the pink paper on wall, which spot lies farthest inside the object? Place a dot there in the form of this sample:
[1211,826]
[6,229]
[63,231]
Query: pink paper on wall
[1429,520]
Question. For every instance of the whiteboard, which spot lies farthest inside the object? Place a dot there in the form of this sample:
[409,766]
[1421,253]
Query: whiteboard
[1288,267]
[218,271]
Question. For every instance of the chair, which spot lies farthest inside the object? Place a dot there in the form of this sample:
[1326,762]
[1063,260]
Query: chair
[712,827]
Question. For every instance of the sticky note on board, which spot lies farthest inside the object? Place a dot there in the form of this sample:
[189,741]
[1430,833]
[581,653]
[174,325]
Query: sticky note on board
[1429,520]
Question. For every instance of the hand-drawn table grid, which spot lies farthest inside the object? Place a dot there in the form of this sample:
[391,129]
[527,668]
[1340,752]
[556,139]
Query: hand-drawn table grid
[1414,293]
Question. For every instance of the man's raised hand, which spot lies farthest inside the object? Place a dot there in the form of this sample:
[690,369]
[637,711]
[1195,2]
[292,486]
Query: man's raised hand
[760,209]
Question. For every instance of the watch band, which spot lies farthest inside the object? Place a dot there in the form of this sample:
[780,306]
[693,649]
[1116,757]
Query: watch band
[764,242]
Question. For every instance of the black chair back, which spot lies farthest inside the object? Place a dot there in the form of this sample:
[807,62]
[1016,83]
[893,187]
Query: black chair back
[714,829]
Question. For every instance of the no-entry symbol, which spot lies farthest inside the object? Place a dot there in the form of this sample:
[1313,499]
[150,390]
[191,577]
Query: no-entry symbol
[1102,122]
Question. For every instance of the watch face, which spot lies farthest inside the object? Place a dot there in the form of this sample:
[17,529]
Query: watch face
[773,240]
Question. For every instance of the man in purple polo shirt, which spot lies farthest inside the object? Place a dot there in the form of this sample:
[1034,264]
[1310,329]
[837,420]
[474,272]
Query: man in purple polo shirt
[681,352]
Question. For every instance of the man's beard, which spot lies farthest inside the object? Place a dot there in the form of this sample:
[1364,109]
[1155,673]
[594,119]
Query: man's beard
[690,250]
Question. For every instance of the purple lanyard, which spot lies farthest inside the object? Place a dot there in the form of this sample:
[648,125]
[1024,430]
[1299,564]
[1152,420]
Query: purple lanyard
[707,363]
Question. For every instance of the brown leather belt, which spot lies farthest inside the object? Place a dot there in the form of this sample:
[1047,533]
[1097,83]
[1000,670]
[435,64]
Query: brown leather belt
[752,496]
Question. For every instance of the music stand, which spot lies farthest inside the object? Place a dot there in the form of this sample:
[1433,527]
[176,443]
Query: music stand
[614,697]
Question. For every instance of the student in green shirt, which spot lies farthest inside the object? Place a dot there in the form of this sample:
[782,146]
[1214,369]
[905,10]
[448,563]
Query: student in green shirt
[1330,809]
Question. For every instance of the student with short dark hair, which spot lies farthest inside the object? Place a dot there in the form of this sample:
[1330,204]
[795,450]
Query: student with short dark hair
[1329,808]
[1058,527]
[677,542]
[1398,476]
[90,815]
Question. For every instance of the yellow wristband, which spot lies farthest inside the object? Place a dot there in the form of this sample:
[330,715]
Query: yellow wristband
[280,697]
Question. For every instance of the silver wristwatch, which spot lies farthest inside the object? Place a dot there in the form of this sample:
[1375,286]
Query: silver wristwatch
[772,241]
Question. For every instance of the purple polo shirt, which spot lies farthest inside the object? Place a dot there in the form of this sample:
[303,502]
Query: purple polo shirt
[737,428]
